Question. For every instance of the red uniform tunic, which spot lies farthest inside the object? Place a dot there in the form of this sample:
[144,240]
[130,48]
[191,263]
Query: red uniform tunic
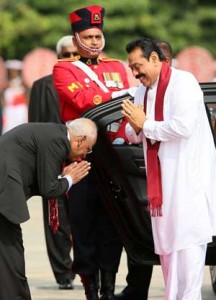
[78,93]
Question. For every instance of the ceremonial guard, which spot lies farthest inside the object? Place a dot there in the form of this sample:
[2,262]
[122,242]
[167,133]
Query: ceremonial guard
[83,82]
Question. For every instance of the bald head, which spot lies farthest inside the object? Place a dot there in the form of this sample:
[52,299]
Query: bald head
[83,127]
[83,136]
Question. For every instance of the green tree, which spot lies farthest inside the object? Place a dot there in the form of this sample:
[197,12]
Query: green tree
[27,24]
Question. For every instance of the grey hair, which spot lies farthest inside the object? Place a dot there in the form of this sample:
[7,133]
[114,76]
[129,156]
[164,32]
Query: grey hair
[84,127]
[65,41]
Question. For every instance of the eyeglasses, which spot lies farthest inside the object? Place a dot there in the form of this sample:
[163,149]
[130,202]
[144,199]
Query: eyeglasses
[89,151]
[69,54]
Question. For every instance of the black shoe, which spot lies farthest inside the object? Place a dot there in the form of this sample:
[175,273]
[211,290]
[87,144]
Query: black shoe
[66,285]
[120,296]
[131,293]
[107,285]
[107,297]
[91,285]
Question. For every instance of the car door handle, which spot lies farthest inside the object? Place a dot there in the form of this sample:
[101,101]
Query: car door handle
[140,164]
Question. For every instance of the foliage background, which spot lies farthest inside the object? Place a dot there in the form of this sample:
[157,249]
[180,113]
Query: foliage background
[28,24]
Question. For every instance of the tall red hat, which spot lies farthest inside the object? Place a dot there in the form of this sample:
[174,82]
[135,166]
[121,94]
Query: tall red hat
[87,17]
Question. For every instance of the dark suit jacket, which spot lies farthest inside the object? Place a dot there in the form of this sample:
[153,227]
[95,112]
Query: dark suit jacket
[31,158]
[44,103]
[0,118]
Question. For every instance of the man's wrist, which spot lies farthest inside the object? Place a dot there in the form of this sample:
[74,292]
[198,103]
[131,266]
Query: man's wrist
[138,129]
[69,180]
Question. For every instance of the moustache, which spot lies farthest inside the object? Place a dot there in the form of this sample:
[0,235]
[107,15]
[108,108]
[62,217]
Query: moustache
[139,76]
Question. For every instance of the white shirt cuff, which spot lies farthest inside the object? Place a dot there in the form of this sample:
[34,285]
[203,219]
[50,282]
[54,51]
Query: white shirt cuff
[69,180]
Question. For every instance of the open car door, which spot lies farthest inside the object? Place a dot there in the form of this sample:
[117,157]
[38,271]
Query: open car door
[119,171]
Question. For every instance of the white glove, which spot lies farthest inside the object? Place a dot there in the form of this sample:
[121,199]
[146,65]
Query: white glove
[119,93]
[131,91]
[118,141]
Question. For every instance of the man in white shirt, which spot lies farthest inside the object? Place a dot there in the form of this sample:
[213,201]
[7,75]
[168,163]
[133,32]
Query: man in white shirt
[180,159]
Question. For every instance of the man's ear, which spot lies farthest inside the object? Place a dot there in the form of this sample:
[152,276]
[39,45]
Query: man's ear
[154,57]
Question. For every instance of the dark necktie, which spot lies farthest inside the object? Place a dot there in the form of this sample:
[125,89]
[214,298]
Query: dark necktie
[53,211]
[53,214]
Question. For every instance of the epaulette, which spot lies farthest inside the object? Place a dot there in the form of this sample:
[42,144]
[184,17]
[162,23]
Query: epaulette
[108,59]
[70,59]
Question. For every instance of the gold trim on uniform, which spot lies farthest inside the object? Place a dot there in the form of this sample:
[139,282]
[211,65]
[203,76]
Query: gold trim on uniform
[108,59]
[88,62]
[96,17]
[97,99]
[74,86]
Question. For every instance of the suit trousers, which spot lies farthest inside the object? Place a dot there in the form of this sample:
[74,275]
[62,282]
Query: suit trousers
[139,276]
[59,244]
[14,284]
[96,244]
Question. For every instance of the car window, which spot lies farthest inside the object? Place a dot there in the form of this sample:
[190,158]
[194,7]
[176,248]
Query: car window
[211,112]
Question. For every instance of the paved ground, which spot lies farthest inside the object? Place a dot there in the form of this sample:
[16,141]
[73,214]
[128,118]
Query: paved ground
[41,280]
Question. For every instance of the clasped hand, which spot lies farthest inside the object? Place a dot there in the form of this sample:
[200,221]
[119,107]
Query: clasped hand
[134,114]
[77,171]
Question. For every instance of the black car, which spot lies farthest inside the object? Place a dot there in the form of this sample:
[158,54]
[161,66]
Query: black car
[120,173]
